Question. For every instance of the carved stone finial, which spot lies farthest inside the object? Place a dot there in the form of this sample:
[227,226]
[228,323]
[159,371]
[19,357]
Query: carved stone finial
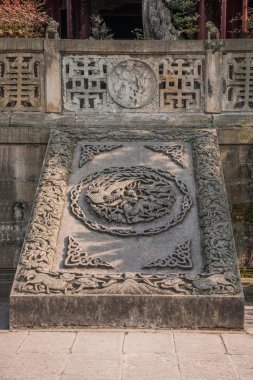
[157,23]
[212,31]
[52,30]
[213,42]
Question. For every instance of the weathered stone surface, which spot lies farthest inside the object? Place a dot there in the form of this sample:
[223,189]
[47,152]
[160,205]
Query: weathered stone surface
[150,366]
[213,82]
[121,234]
[53,77]
[196,343]
[21,81]
[207,366]
[229,120]
[200,120]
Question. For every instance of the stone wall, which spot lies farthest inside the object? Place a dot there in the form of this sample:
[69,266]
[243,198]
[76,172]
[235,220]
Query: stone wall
[20,166]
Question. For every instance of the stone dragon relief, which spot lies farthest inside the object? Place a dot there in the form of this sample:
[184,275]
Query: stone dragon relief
[220,275]
[131,195]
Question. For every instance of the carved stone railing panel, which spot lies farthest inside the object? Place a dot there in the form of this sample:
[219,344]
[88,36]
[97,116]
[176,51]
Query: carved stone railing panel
[181,84]
[21,81]
[237,82]
[121,83]
[85,83]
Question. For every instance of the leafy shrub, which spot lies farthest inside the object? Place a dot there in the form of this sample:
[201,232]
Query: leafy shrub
[98,28]
[22,18]
[184,16]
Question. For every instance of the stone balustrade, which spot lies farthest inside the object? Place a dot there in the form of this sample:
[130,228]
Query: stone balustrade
[58,76]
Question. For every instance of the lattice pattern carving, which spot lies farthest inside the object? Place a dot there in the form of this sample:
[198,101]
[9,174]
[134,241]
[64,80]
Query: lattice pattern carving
[237,82]
[85,83]
[181,84]
[21,81]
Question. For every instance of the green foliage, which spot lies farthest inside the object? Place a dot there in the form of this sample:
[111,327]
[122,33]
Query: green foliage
[184,16]
[138,32]
[98,29]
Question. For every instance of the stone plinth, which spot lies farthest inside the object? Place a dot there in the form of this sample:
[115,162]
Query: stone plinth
[130,228]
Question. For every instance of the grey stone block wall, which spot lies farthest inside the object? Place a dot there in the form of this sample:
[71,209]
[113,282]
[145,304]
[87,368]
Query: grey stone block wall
[20,166]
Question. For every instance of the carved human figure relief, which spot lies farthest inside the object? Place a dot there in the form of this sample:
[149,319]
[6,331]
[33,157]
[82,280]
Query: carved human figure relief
[88,151]
[175,152]
[180,258]
[132,84]
[76,257]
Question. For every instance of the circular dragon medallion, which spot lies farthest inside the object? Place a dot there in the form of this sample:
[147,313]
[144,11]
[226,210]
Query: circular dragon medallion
[132,84]
[127,197]
[132,197]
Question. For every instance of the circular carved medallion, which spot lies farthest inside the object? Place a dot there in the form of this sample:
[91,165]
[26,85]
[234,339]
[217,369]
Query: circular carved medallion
[144,201]
[130,197]
[132,84]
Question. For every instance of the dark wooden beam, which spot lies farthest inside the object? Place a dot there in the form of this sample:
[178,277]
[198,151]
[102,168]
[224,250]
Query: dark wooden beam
[202,20]
[224,19]
[69,19]
[244,15]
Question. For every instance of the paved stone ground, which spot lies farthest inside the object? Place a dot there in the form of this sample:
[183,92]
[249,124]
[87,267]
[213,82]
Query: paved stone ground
[126,354]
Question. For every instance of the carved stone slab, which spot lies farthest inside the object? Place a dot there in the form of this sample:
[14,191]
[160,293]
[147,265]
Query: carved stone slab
[129,228]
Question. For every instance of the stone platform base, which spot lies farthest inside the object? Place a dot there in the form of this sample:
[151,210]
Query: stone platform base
[130,228]
[126,311]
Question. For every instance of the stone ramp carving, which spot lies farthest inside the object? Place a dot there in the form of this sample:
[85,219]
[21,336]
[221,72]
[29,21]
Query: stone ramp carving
[134,234]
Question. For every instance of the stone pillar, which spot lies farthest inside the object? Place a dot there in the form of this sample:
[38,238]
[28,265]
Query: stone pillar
[213,81]
[52,75]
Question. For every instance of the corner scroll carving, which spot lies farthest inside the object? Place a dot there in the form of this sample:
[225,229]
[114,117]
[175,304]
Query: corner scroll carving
[76,257]
[175,152]
[181,258]
[88,151]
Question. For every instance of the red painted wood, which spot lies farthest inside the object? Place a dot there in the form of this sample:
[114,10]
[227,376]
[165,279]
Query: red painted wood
[85,19]
[202,20]
[69,19]
[224,19]
[244,15]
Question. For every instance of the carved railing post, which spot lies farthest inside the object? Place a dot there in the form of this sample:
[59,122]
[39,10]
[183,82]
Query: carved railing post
[52,75]
[213,77]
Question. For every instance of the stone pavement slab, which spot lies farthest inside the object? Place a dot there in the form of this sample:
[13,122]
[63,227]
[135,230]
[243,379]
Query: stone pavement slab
[147,366]
[35,366]
[152,343]
[236,343]
[42,342]
[244,365]
[80,367]
[196,366]
[203,343]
